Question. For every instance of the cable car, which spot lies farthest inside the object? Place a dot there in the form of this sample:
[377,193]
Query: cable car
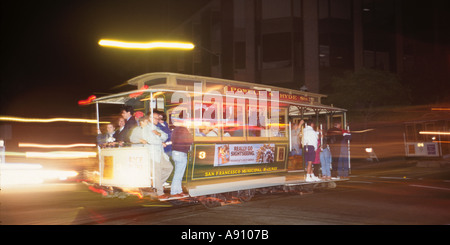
[242,135]
[427,138]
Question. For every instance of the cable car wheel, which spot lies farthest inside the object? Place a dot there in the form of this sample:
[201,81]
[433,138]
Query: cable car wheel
[245,195]
[265,190]
[331,185]
[211,201]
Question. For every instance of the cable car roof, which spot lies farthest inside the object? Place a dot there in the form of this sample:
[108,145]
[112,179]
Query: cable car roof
[139,81]
[171,85]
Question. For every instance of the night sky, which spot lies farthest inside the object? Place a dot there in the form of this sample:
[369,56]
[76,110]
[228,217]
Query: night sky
[50,52]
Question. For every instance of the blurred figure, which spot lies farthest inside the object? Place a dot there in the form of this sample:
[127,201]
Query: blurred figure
[181,145]
[343,164]
[325,159]
[296,136]
[335,138]
[106,139]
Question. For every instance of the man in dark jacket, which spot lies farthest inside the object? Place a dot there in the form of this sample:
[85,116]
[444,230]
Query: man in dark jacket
[130,123]
[181,145]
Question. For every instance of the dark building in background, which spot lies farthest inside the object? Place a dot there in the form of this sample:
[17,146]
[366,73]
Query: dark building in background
[304,43]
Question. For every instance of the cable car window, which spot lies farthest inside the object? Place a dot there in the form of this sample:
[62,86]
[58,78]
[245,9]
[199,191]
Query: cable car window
[278,125]
[156,81]
[158,102]
[207,119]
[257,121]
[209,125]
[430,127]
[233,120]
[410,133]
[213,86]
[180,111]
[418,129]
[185,82]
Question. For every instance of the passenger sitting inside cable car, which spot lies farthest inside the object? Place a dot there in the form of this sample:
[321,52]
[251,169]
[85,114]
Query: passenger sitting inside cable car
[212,132]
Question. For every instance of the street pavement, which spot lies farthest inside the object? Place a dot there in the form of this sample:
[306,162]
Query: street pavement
[396,193]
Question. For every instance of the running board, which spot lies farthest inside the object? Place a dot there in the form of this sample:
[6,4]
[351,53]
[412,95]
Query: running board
[208,189]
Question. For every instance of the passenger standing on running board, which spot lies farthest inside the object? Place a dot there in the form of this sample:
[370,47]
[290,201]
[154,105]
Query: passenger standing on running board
[309,141]
[181,145]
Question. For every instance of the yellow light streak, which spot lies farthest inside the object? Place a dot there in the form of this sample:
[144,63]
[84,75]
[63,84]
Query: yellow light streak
[61,154]
[363,131]
[440,109]
[154,96]
[56,146]
[136,193]
[49,120]
[148,45]
[20,166]
[442,141]
[14,154]
[433,133]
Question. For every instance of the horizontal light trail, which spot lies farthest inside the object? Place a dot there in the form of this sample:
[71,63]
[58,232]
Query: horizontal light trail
[48,120]
[56,146]
[434,132]
[147,45]
[61,154]
[440,109]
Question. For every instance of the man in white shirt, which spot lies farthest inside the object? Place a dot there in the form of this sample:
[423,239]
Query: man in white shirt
[153,137]
[310,141]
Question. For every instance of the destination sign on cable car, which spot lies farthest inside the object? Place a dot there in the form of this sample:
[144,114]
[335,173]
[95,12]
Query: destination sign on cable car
[283,96]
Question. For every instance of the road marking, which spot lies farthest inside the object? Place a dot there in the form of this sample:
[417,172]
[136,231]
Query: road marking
[358,181]
[382,177]
[156,205]
[432,187]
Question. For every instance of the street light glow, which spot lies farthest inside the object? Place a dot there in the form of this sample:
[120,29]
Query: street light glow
[147,45]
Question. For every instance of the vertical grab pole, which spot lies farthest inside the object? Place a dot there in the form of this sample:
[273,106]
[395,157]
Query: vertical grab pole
[152,175]
[404,144]
[348,149]
[321,136]
[98,117]
[100,166]
[440,144]
[290,138]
